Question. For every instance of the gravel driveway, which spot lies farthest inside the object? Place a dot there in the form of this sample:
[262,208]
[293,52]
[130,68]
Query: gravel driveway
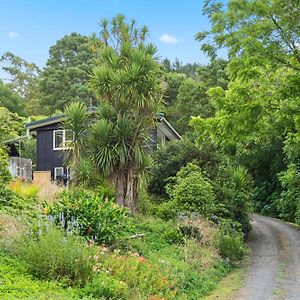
[274,272]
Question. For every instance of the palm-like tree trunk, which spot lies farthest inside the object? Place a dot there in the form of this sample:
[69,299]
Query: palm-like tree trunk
[121,190]
[126,186]
[131,191]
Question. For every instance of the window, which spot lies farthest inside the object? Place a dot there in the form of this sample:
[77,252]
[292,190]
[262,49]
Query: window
[58,171]
[62,139]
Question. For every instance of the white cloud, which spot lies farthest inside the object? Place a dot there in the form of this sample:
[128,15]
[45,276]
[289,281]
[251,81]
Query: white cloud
[13,35]
[169,39]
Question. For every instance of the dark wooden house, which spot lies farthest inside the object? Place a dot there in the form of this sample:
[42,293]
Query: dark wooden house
[52,141]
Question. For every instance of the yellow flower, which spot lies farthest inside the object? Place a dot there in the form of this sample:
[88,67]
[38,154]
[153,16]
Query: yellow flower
[46,210]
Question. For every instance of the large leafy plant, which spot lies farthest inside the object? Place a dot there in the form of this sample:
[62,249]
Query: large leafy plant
[94,216]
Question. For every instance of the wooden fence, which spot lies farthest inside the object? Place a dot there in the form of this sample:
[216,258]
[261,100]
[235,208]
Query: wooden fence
[21,168]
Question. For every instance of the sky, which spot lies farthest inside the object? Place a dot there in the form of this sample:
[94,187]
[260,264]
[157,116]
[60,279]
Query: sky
[29,27]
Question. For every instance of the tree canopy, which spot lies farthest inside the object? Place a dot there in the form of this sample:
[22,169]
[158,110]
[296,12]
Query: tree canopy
[127,82]
[10,100]
[256,117]
[64,79]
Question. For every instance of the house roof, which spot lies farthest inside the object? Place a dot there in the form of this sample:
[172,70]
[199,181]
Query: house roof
[44,122]
[162,124]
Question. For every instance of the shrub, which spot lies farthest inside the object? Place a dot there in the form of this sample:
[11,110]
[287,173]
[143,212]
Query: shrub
[142,276]
[95,216]
[107,287]
[54,255]
[165,211]
[10,199]
[16,283]
[86,174]
[192,191]
[4,172]
[288,204]
[173,236]
[233,188]
[230,241]
[176,155]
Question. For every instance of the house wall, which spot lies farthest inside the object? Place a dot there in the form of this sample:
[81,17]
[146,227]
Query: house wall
[47,158]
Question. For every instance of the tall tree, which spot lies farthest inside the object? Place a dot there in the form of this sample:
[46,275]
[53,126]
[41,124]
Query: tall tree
[253,31]
[11,125]
[256,118]
[67,71]
[10,100]
[22,73]
[186,97]
[128,83]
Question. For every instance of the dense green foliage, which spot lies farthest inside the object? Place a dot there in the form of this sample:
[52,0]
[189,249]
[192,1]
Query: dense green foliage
[4,172]
[256,120]
[92,215]
[67,71]
[191,191]
[11,125]
[67,258]
[16,283]
[170,159]
[11,101]
[186,95]
[163,263]
[227,188]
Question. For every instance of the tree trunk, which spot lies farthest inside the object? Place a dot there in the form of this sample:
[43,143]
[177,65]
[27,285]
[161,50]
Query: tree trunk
[131,191]
[126,186]
[121,190]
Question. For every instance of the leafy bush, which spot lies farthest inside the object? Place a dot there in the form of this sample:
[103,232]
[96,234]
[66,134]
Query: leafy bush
[16,283]
[142,276]
[176,155]
[11,200]
[287,204]
[173,236]
[54,255]
[230,241]
[86,174]
[165,211]
[107,287]
[233,188]
[93,215]
[4,172]
[192,191]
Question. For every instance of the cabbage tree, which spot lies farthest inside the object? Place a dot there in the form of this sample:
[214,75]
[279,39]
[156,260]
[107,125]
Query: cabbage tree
[128,83]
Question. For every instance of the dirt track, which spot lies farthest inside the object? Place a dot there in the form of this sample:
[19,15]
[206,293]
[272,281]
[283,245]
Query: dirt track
[274,272]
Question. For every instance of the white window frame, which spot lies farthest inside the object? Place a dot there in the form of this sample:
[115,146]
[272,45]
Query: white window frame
[56,169]
[63,139]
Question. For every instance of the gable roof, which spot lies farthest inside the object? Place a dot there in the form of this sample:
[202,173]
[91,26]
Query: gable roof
[44,122]
[162,124]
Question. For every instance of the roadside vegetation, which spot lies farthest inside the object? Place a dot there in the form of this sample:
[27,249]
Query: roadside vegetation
[137,224]
[84,246]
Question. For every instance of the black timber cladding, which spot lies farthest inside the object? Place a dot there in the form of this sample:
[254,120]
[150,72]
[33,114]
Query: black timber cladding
[47,158]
